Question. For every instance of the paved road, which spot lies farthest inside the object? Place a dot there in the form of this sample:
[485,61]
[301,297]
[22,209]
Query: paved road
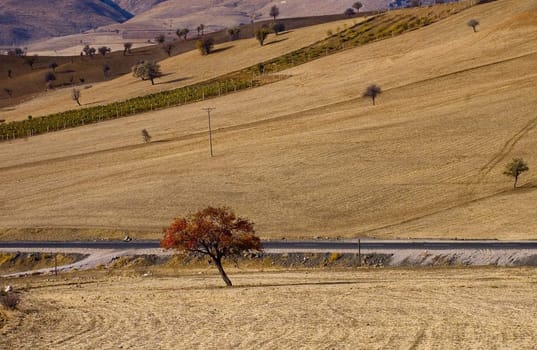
[303,245]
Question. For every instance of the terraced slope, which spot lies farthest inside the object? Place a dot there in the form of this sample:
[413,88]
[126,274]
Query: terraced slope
[307,156]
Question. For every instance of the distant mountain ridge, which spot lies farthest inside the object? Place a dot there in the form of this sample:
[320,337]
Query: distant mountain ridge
[22,21]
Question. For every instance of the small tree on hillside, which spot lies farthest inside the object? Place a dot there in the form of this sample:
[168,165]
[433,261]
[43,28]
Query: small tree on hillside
[9,73]
[147,71]
[103,50]
[49,78]
[200,29]
[473,23]
[214,232]
[274,12]
[127,48]
[106,70]
[516,167]
[182,33]
[88,51]
[205,45]
[261,34]
[233,33]
[357,5]
[349,12]
[9,92]
[146,136]
[278,27]
[30,61]
[53,66]
[75,95]
[372,91]
[168,48]
[160,38]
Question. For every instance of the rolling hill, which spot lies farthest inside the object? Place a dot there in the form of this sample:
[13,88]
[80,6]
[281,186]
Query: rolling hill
[308,156]
[22,21]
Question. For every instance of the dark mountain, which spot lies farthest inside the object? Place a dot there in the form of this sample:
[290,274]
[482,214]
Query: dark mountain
[137,6]
[25,20]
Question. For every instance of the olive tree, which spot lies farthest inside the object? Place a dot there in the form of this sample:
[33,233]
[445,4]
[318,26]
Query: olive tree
[516,167]
[473,23]
[205,45]
[147,70]
[372,91]
[261,34]
[75,95]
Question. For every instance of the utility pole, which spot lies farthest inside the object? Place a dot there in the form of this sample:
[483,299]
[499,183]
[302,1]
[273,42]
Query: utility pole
[210,133]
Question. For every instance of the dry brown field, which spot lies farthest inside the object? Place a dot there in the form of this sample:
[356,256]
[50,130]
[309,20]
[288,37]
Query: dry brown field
[456,308]
[307,156]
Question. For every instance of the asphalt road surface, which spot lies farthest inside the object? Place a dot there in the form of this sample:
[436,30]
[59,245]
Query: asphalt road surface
[293,245]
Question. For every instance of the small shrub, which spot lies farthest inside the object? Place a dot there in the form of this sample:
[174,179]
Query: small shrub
[146,136]
[9,300]
[205,45]
[333,257]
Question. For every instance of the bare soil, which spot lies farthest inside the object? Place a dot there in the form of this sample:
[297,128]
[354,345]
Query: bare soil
[346,309]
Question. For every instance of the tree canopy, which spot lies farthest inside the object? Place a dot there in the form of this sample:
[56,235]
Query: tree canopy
[516,167]
[147,71]
[215,232]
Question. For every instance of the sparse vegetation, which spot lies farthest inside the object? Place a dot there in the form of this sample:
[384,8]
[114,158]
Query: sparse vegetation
[53,66]
[357,6]
[261,34]
[30,60]
[88,51]
[146,136]
[9,92]
[473,23]
[9,300]
[49,78]
[214,232]
[349,12]
[274,12]
[103,50]
[372,91]
[127,48]
[182,33]
[147,71]
[515,168]
[161,38]
[278,27]
[168,48]
[200,30]
[205,45]
[75,95]
[234,33]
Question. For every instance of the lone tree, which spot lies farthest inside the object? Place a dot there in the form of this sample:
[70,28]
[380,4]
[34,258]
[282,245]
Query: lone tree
[278,27]
[205,45]
[233,33]
[168,48]
[75,95]
[215,232]
[106,70]
[349,12]
[200,29]
[146,136]
[515,168]
[127,48]
[103,50]
[49,78]
[53,66]
[261,34]
[30,60]
[9,92]
[372,92]
[473,23]
[357,5]
[147,71]
[160,38]
[274,12]
[182,33]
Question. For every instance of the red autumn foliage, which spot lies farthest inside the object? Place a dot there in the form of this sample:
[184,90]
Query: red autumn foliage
[216,232]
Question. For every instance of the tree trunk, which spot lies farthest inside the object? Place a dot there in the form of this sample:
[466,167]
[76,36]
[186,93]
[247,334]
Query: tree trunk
[77,101]
[152,82]
[218,263]
[516,180]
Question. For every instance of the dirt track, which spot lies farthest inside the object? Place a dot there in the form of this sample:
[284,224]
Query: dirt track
[369,309]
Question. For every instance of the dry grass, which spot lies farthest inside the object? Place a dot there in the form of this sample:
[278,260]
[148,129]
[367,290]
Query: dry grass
[306,156]
[366,309]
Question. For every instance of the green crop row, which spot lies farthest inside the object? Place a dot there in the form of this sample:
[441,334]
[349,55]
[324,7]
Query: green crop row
[375,28]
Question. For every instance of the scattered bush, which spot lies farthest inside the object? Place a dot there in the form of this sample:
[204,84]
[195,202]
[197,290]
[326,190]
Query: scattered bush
[261,34]
[205,45]
[147,71]
[9,300]
[146,136]
[278,27]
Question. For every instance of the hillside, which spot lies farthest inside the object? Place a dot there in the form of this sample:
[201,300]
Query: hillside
[22,21]
[307,156]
